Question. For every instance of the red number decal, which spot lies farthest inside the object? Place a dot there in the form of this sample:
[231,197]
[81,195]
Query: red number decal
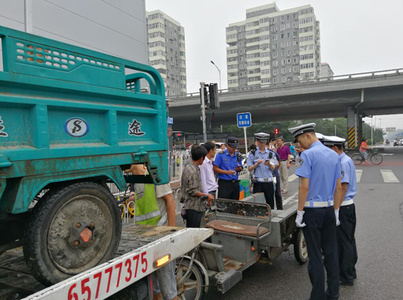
[85,289]
[128,265]
[109,270]
[98,276]
[72,295]
[144,261]
[118,266]
[136,258]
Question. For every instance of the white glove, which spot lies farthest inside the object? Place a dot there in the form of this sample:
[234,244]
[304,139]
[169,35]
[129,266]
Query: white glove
[336,212]
[298,220]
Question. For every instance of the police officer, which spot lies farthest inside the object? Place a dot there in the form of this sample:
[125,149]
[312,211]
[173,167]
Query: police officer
[263,161]
[346,230]
[227,164]
[319,194]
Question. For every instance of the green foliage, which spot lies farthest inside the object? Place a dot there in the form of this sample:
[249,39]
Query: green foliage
[336,126]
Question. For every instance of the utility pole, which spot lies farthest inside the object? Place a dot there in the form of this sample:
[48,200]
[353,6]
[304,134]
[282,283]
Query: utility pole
[219,73]
[372,132]
[28,16]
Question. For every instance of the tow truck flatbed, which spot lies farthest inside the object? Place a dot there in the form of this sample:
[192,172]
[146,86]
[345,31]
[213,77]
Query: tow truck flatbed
[139,248]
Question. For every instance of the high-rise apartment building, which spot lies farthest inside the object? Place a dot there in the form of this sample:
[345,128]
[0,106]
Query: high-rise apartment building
[272,47]
[326,71]
[166,48]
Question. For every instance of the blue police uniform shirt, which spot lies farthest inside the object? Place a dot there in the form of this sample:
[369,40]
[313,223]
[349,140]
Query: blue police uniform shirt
[227,162]
[348,176]
[322,166]
[261,171]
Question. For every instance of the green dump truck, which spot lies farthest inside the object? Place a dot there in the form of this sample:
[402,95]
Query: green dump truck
[71,120]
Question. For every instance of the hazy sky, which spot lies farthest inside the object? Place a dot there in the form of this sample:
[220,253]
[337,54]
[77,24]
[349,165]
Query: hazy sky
[356,35]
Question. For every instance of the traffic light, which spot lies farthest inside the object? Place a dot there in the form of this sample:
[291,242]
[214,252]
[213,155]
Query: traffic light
[213,92]
[206,98]
[276,131]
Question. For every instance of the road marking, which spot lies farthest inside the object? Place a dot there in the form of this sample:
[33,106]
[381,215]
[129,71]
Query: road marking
[387,154]
[291,198]
[358,174]
[292,177]
[389,176]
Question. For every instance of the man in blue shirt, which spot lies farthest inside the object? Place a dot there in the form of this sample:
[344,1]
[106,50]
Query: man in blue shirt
[227,165]
[319,197]
[346,230]
[263,161]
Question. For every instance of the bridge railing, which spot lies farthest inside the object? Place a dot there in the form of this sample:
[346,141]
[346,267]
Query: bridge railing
[303,82]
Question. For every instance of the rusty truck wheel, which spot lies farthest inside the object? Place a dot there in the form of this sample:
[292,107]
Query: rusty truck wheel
[70,231]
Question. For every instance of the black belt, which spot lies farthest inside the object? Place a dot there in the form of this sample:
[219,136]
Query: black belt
[231,180]
[283,159]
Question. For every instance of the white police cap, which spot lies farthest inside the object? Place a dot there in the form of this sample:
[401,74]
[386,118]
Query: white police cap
[298,130]
[319,136]
[333,140]
[262,136]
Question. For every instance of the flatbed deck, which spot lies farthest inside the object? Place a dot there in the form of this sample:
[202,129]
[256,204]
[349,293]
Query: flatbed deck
[16,282]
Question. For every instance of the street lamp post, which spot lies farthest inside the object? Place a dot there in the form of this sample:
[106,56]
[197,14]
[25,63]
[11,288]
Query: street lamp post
[219,73]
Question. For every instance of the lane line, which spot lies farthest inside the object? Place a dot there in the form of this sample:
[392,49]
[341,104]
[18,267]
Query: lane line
[292,177]
[293,197]
[389,176]
[358,174]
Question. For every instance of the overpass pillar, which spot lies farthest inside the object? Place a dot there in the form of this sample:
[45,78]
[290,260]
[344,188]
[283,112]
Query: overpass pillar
[354,127]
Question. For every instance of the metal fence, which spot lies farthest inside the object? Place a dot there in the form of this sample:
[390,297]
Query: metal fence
[303,82]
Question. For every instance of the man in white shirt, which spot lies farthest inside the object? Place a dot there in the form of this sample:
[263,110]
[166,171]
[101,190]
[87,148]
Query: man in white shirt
[209,183]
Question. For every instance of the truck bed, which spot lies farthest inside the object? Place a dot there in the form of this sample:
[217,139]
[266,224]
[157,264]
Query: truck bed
[16,282]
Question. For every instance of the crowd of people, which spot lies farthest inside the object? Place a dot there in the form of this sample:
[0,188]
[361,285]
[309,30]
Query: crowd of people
[216,173]
[326,211]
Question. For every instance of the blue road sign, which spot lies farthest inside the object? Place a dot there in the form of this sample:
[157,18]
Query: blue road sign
[244,119]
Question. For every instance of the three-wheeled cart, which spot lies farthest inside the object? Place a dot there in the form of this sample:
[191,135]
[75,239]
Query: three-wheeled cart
[244,233]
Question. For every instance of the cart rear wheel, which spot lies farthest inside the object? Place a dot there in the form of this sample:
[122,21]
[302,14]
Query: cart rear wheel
[300,249]
[72,230]
[193,285]
[357,159]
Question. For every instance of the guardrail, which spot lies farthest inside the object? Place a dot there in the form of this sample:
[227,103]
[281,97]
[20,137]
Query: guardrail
[362,75]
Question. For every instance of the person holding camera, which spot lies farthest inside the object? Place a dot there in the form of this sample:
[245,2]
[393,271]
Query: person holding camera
[263,161]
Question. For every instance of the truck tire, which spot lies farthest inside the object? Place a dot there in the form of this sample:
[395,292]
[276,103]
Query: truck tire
[72,230]
[193,285]
[300,249]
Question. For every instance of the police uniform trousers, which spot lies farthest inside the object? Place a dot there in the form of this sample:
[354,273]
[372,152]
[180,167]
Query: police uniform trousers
[268,189]
[346,243]
[320,236]
[277,194]
[228,189]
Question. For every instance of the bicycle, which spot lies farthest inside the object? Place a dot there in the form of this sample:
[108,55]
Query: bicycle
[374,157]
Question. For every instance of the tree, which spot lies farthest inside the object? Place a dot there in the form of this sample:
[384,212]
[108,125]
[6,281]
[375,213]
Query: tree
[336,126]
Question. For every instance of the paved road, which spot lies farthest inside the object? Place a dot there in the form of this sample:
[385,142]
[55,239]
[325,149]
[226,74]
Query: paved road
[379,235]
[379,204]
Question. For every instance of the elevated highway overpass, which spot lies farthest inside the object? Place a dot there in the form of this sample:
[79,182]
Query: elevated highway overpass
[352,96]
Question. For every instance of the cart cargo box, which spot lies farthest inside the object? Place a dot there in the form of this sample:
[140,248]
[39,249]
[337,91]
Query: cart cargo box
[72,119]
